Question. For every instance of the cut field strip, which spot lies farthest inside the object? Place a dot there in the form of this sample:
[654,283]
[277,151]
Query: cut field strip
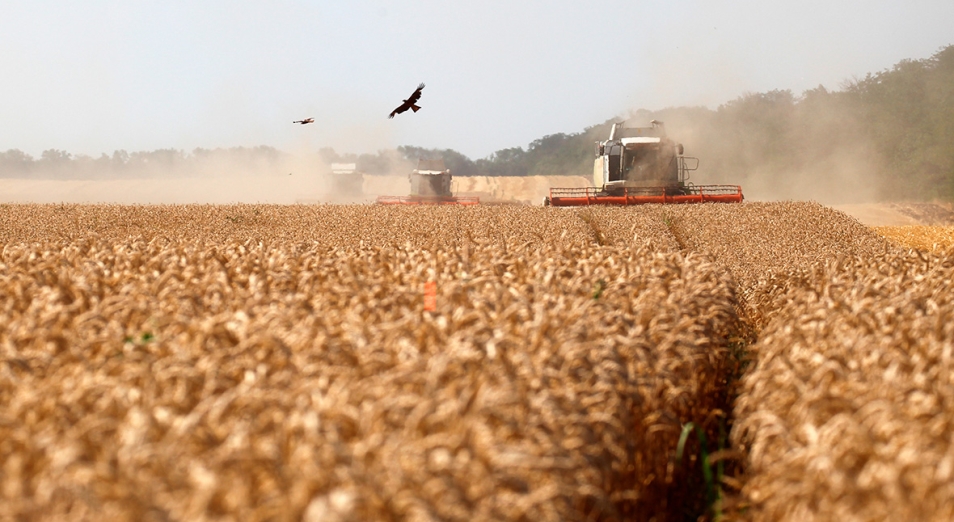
[921,237]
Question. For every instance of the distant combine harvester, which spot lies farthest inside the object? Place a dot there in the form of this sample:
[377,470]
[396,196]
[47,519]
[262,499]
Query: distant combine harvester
[430,185]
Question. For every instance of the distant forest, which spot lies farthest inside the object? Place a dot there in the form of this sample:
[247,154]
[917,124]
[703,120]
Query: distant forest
[891,132]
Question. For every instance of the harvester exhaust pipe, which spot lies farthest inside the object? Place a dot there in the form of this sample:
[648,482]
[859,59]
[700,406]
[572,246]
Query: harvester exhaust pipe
[612,135]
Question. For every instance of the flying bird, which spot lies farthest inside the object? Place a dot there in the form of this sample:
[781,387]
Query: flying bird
[303,122]
[410,102]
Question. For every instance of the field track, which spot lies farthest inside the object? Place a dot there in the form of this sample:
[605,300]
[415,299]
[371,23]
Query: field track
[277,362]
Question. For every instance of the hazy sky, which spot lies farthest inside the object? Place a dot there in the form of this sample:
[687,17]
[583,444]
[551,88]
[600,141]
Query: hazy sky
[96,76]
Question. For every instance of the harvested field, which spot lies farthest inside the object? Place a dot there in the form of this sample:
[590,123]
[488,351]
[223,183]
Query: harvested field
[900,214]
[921,237]
[849,409]
[262,363]
[927,213]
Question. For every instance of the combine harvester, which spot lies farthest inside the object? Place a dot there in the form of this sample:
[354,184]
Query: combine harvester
[640,165]
[430,185]
[346,180]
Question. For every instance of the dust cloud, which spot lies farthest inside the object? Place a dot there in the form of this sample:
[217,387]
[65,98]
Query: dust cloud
[232,177]
[817,153]
[211,181]
[837,178]
[287,179]
[775,145]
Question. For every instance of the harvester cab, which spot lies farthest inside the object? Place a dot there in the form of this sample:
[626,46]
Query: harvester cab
[431,179]
[430,185]
[641,157]
[346,179]
[639,165]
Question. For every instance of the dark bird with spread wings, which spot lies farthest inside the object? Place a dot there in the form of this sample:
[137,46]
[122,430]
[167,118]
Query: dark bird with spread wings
[410,102]
[303,122]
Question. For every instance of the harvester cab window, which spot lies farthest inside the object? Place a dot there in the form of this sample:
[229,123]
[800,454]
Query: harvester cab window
[635,157]
[629,160]
[614,163]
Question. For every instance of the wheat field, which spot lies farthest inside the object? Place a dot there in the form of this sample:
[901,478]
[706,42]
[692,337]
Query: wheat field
[848,411]
[257,362]
[277,363]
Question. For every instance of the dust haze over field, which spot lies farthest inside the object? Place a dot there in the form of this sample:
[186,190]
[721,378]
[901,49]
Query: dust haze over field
[776,145]
[286,179]
[209,180]
[817,158]
[238,175]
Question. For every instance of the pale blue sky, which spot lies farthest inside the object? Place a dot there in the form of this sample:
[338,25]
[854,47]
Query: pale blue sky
[96,76]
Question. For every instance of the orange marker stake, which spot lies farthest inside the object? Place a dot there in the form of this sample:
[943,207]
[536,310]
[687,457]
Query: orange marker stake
[430,296]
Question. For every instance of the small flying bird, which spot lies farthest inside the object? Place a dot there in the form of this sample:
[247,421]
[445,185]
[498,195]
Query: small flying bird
[303,122]
[410,102]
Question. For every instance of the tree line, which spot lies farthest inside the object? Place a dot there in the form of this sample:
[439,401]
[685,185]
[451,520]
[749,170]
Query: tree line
[890,133]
